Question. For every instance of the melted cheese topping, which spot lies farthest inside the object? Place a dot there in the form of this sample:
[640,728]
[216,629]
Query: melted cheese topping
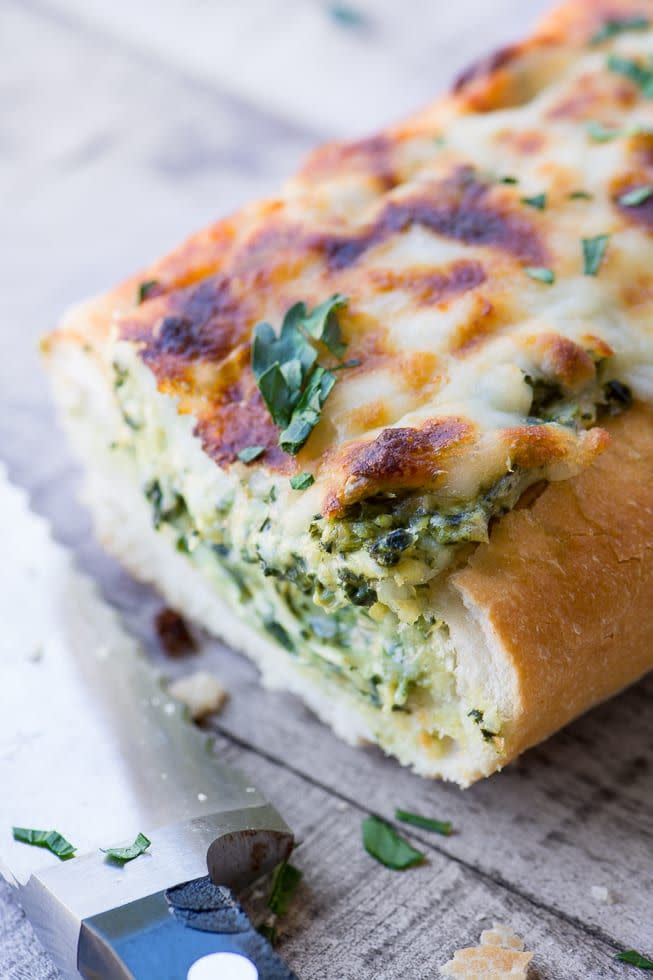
[435,251]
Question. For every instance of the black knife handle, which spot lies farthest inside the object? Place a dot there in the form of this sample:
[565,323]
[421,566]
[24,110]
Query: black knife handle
[160,937]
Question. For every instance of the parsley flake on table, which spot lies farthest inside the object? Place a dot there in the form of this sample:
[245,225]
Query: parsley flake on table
[540,273]
[51,840]
[580,195]
[302,481]
[443,827]
[124,854]
[634,958]
[284,885]
[250,453]
[538,201]
[619,25]
[383,843]
[293,385]
[593,252]
[637,196]
[346,15]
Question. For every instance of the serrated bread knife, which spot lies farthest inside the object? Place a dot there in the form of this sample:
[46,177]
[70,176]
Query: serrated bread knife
[91,746]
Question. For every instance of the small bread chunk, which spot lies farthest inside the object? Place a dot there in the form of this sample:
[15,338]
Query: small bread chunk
[500,956]
[201,692]
[501,935]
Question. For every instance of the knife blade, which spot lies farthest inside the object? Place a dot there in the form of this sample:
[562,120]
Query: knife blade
[91,745]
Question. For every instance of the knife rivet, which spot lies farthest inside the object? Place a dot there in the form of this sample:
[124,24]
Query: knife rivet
[223,966]
[202,797]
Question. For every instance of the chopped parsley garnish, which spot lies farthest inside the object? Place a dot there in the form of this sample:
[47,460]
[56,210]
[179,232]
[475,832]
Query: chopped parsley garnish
[637,196]
[540,273]
[384,844]
[538,201]
[600,133]
[635,959]
[593,252]
[443,827]
[302,481]
[322,324]
[307,411]
[50,839]
[145,289]
[508,180]
[293,385]
[619,25]
[580,196]
[640,75]
[284,885]
[124,854]
[250,453]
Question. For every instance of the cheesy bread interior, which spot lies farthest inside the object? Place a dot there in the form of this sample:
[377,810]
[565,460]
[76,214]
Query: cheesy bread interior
[446,313]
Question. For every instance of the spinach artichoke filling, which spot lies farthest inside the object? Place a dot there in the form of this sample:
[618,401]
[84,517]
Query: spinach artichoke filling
[352,597]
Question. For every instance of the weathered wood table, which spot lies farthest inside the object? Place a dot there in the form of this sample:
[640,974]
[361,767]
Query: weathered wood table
[125,126]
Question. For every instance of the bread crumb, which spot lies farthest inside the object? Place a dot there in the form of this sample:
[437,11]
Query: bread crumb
[501,935]
[601,894]
[201,692]
[174,635]
[500,956]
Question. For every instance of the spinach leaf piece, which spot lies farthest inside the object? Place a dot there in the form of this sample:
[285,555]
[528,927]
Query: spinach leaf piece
[124,854]
[386,846]
[443,827]
[635,959]
[284,885]
[51,840]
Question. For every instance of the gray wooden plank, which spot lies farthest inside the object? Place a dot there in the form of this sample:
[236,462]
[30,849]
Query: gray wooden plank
[356,74]
[571,814]
[352,919]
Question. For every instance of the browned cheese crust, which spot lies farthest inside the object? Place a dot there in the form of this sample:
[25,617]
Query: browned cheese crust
[337,228]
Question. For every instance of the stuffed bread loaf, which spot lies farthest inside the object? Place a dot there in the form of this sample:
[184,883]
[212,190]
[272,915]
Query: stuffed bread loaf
[390,433]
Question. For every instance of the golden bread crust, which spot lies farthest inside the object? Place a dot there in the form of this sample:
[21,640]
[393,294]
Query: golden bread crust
[566,586]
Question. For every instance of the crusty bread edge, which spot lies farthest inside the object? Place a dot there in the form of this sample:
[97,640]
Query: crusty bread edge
[565,587]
